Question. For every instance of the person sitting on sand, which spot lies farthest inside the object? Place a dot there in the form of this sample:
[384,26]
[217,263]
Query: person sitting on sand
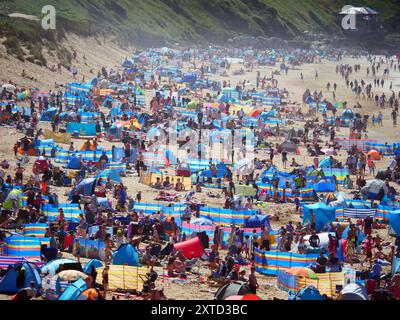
[380,255]
[171,267]
[88,145]
[333,264]
[348,183]
[180,266]
[157,184]
[294,163]
[157,294]
[179,186]
[350,252]
[234,274]
[167,184]
[242,275]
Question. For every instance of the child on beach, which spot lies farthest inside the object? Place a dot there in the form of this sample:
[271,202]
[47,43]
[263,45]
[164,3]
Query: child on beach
[247,246]
[350,251]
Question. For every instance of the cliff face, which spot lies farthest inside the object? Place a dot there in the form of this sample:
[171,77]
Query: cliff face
[164,22]
[188,21]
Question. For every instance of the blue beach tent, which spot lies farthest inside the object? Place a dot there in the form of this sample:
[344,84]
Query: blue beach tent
[11,283]
[323,214]
[74,290]
[126,255]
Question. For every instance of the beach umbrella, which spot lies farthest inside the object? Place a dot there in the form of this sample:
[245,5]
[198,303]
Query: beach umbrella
[71,275]
[302,272]
[375,155]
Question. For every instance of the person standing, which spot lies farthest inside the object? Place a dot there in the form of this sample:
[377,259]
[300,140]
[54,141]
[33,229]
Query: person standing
[367,245]
[253,283]
[265,244]
[284,159]
[105,280]
[271,155]
[367,225]
[394,118]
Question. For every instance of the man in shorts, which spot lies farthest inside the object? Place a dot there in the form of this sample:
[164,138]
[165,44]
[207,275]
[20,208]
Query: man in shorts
[265,244]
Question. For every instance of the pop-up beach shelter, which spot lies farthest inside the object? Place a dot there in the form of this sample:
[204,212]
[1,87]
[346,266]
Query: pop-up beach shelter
[307,293]
[14,194]
[75,162]
[126,255]
[55,266]
[111,174]
[95,263]
[394,221]
[20,276]
[372,189]
[257,220]
[395,265]
[232,289]
[86,187]
[323,214]
[74,290]
[353,291]
[49,114]
[193,248]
